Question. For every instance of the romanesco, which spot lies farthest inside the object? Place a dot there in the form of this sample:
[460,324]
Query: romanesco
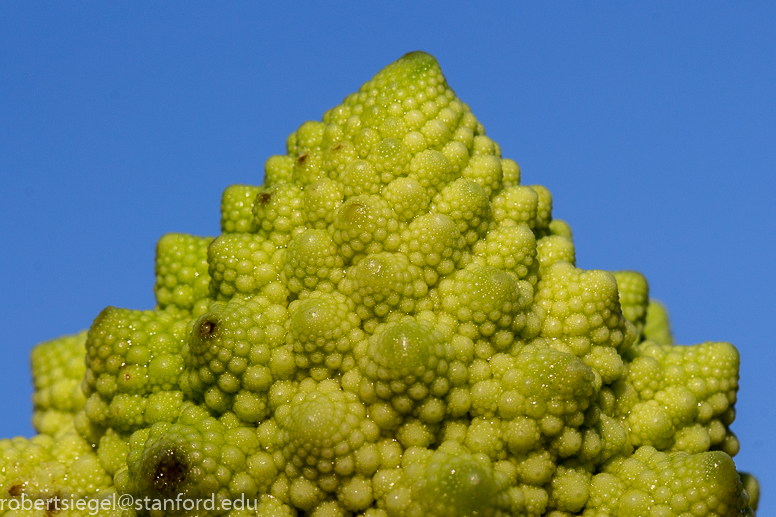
[392,325]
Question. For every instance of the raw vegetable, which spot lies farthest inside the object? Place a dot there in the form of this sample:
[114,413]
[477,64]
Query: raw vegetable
[391,325]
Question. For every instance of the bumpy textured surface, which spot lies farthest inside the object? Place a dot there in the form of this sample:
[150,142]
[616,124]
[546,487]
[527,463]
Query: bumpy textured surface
[182,277]
[57,371]
[392,325]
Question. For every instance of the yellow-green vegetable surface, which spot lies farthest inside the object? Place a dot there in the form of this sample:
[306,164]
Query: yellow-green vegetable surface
[391,325]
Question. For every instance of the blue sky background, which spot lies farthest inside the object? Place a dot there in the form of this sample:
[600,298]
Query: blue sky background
[653,124]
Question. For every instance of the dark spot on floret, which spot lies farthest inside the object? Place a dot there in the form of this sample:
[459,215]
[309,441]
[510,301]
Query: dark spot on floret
[302,158]
[208,329]
[16,490]
[264,198]
[337,147]
[170,472]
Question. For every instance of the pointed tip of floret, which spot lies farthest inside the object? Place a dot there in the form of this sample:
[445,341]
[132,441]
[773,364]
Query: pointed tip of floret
[416,56]
[411,65]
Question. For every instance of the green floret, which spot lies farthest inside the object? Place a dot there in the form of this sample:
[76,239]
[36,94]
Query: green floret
[182,278]
[406,108]
[488,302]
[363,225]
[510,171]
[448,482]
[278,169]
[406,363]
[485,146]
[657,326]
[308,168]
[278,212]
[537,407]
[433,170]
[456,483]
[634,297]
[569,489]
[560,227]
[196,456]
[322,433]
[679,398]
[382,282]
[543,208]
[234,353]
[307,138]
[241,264]
[51,469]
[360,177]
[582,316]
[511,248]
[338,152]
[656,483]
[129,356]
[57,370]
[407,197]
[389,157]
[237,209]
[312,261]
[555,248]
[321,200]
[456,152]
[516,205]
[113,448]
[467,204]
[433,242]
[323,328]
[543,384]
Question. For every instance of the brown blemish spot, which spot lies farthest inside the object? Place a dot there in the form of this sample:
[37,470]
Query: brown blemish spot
[170,472]
[16,490]
[302,158]
[208,329]
[337,147]
[264,198]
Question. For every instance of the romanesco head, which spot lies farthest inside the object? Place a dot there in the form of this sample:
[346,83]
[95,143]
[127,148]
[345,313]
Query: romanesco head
[391,325]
